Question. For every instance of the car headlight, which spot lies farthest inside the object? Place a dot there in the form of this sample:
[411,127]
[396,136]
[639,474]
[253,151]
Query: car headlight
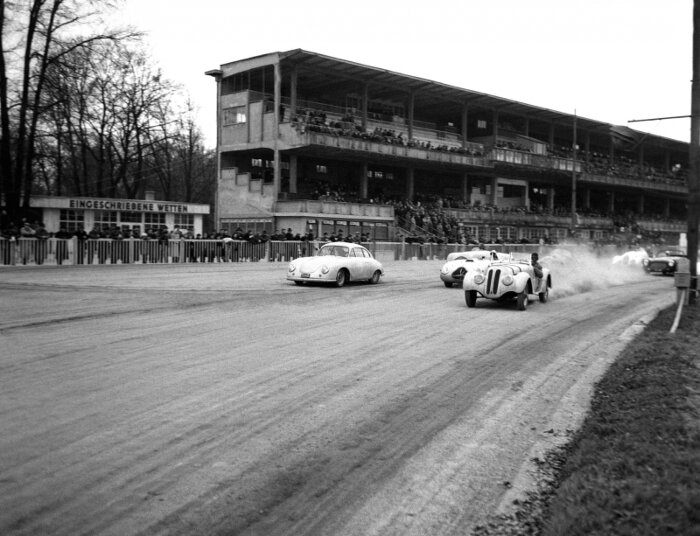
[445,269]
[325,269]
[507,280]
[670,263]
[479,278]
[645,262]
[292,267]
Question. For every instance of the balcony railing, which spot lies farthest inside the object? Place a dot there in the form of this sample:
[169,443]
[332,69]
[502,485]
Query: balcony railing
[317,208]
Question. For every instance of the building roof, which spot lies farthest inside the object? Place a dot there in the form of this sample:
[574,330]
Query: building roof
[322,70]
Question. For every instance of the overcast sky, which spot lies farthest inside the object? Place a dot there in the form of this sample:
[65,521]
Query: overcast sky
[609,60]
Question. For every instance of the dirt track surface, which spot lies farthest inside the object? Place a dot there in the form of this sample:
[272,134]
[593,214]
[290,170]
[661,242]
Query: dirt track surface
[220,399]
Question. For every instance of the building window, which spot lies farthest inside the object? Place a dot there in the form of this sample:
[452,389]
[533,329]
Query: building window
[155,220]
[130,217]
[72,220]
[105,219]
[481,123]
[234,116]
[185,222]
[321,168]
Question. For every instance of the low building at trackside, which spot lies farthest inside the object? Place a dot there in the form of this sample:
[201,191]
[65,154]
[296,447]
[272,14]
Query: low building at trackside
[136,215]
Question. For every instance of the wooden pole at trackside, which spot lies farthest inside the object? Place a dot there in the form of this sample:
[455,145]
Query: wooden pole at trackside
[694,157]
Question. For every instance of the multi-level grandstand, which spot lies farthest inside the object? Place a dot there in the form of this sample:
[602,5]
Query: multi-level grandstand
[310,142]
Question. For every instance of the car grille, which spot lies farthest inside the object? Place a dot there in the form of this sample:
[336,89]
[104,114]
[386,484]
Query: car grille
[492,279]
[659,266]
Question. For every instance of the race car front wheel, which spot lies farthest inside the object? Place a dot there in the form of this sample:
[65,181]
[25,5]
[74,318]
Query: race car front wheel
[470,297]
[522,301]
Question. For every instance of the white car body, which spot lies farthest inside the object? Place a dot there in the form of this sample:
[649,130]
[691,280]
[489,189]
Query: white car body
[337,263]
[460,262]
[506,281]
[631,258]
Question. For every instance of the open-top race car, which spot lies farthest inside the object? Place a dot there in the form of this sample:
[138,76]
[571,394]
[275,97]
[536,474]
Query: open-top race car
[665,263]
[513,280]
[460,262]
[337,263]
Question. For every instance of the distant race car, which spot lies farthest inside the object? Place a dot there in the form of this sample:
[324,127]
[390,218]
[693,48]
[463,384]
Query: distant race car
[665,263]
[503,281]
[631,258]
[459,262]
[337,263]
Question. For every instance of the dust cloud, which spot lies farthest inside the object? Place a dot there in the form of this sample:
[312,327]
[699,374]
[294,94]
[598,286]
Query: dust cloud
[578,269]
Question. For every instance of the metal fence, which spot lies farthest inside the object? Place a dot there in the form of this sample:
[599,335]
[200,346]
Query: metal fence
[56,251]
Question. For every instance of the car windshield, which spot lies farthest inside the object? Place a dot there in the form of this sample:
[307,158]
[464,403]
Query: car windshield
[673,254]
[338,251]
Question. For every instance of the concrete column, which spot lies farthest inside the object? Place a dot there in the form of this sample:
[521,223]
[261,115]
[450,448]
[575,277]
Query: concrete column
[365,98]
[411,109]
[410,182]
[551,136]
[465,188]
[495,126]
[587,198]
[494,191]
[364,181]
[527,195]
[611,202]
[293,174]
[465,116]
[550,198]
[216,74]
[277,101]
[293,92]
[667,207]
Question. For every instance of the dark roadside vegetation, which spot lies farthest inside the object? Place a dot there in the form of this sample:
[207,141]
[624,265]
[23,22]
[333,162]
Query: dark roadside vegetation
[633,468]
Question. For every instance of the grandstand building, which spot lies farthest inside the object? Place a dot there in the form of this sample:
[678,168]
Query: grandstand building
[310,142]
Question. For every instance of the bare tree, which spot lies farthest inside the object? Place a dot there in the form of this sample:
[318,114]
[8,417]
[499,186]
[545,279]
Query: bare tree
[34,35]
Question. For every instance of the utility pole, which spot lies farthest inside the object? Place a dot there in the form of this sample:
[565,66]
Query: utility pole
[573,180]
[694,157]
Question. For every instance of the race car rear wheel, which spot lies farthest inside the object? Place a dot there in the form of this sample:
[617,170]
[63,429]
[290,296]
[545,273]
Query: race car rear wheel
[341,277]
[522,301]
[470,297]
[544,296]
[375,277]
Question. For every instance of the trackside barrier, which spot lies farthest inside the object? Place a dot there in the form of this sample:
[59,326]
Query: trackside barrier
[682,282]
[35,251]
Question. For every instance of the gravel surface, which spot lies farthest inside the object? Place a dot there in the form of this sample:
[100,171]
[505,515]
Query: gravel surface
[221,399]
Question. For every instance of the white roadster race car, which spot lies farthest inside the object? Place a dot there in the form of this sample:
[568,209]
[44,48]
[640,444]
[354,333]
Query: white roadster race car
[513,280]
[460,262]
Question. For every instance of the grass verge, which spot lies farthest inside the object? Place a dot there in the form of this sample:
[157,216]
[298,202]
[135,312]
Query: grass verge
[634,465]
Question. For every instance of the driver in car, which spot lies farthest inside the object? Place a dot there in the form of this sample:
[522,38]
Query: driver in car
[535,262]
